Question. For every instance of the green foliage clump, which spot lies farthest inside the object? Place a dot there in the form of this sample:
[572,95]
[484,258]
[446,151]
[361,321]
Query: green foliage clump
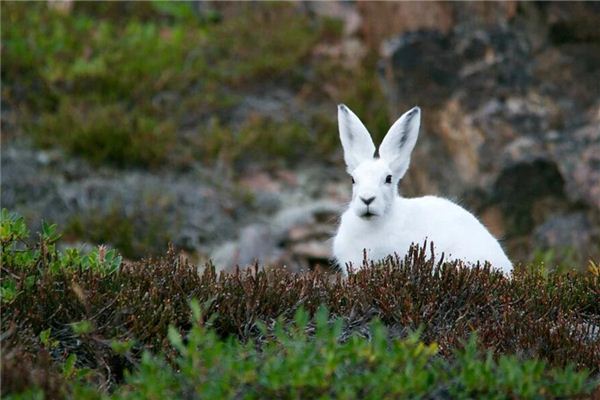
[294,364]
[117,86]
[18,254]
[306,359]
[76,325]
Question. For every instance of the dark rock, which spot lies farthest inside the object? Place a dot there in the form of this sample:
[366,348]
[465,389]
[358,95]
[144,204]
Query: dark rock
[519,187]
[572,235]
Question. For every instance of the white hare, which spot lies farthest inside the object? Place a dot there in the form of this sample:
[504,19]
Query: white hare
[380,222]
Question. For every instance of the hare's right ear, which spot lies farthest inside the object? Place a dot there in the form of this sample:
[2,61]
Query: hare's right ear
[400,140]
[356,141]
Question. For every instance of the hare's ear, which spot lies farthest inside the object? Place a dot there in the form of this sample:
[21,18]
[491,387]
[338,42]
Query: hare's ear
[356,141]
[400,141]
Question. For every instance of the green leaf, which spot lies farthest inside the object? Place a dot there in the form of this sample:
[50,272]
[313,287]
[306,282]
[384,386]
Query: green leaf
[196,311]
[30,280]
[12,227]
[175,339]
[8,290]
[45,337]
[121,347]
[301,318]
[82,327]
[69,365]
[112,262]
[49,233]
[178,9]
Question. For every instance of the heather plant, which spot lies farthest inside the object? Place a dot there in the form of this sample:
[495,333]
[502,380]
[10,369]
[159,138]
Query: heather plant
[89,326]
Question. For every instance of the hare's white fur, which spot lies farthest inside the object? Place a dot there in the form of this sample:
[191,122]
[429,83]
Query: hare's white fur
[380,222]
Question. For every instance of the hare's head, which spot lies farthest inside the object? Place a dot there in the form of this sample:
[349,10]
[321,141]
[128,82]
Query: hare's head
[375,174]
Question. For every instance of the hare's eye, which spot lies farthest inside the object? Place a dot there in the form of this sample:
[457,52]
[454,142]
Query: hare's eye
[388,179]
[353,181]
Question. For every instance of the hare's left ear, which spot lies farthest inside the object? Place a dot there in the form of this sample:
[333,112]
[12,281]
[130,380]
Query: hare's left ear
[400,141]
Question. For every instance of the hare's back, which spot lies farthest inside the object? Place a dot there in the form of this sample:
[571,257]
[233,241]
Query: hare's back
[454,231]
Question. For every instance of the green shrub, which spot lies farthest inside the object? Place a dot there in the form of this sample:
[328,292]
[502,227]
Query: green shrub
[75,323]
[18,254]
[294,364]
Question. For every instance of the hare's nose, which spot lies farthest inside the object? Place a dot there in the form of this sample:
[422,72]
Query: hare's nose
[367,201]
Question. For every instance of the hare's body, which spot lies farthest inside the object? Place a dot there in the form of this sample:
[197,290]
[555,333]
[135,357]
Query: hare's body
[414,221]
[381,223]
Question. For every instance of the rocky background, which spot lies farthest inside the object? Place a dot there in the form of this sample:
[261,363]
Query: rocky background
[250,167]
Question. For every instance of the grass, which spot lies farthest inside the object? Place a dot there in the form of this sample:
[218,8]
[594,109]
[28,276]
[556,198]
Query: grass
[75,325]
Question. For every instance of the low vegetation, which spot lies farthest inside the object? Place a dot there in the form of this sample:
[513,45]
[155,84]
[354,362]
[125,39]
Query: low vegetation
[149,84]
[90,326]
[119,230]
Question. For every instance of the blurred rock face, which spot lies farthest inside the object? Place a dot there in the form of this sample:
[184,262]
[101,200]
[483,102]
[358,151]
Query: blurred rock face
[384,20]
[511,102]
